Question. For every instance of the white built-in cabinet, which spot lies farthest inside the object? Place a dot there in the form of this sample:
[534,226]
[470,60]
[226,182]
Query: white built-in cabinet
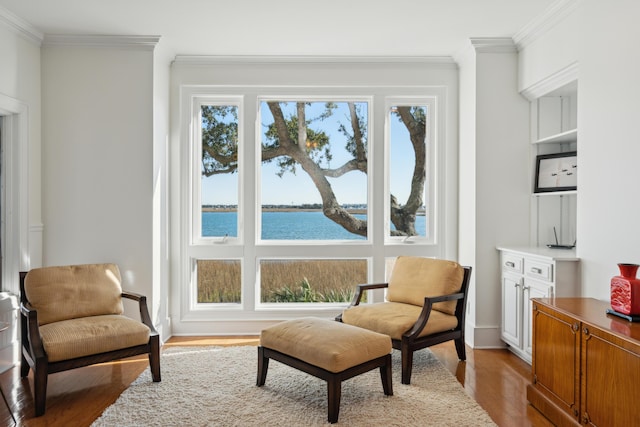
[532,272]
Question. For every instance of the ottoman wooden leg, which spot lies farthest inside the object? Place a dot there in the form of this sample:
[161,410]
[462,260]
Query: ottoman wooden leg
[334,391]
[263,365]
[385,375]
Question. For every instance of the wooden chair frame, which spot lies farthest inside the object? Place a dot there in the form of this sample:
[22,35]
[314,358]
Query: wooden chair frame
[34,355]
[411,341]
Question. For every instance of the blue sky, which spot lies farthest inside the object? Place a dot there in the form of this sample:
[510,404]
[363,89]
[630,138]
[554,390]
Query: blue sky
[299,189]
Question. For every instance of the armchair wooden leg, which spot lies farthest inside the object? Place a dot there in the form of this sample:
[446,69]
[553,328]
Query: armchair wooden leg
[154,358]
[24,367]
[40,389]
[407,364]
[460,348]
[386,376]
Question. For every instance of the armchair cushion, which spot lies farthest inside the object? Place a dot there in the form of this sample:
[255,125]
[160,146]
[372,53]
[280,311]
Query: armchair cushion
[394,319]
[414,278]
[69,339]
[75,291]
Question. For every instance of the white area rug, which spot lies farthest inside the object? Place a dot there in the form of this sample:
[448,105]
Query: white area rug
[216,386]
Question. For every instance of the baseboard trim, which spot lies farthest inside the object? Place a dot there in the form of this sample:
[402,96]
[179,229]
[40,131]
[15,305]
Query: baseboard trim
[483,337]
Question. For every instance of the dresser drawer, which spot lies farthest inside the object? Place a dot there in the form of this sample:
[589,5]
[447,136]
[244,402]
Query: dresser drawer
[512,262]
[539,270]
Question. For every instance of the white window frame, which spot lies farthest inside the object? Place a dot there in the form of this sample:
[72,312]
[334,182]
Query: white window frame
[196,157]
[433,176]
[248,247]
[314,98]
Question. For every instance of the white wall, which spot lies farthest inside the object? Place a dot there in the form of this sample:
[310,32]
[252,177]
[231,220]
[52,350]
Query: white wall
[20,99]
[97,171]
[603,38]
[494,180]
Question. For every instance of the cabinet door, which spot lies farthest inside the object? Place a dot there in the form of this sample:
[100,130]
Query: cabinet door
[611,368]
[531,289]
[512,309]
[555,358]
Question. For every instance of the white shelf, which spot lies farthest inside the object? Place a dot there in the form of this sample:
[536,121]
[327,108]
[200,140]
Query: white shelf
[568,136]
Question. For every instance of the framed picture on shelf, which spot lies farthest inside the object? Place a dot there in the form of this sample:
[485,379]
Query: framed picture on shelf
[556,172]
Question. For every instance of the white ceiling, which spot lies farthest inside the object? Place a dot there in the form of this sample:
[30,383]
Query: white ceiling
[287,27]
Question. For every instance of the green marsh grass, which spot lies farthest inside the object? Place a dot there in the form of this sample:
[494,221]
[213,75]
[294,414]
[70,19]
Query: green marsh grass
[283,280]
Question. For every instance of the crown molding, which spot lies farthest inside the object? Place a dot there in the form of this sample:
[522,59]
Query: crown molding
[554,14]
[477,45]
[445,61]
[20,27]
[557,80]
[493,44]
[106,41]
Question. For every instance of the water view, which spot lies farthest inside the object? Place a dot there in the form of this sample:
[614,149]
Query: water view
[303,225]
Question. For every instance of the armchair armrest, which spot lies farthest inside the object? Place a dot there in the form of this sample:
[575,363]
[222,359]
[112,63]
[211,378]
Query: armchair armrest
[426,312]
[441,298]
[361,289]
[144,310]
[31,332]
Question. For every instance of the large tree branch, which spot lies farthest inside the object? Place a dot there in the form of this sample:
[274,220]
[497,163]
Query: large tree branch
[302,126]
[330,206]
[271,153]
[230,169]
[417,134]
[351,165]
[281,125]
[361,153]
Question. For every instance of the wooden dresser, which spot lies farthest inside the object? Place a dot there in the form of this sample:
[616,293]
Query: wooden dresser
[585,364]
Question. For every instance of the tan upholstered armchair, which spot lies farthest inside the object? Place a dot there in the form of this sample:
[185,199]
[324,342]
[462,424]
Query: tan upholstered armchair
[71,317]
[425,305]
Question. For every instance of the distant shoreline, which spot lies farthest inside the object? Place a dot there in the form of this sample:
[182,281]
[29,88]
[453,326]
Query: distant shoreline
[357,211]
[293,209]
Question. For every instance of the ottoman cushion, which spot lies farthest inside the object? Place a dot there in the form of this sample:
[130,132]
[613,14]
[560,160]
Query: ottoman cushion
[330,345]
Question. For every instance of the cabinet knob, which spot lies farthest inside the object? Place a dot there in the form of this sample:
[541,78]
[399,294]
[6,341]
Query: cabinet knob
[575,327]
[510,264]
[585,331]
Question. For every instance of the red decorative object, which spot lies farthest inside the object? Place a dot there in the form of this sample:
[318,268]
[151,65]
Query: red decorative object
[625,290]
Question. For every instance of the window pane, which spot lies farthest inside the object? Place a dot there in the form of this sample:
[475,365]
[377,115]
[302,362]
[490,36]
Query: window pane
[219,281]
[219,167]
[321,281]
[314,170]
[408,170]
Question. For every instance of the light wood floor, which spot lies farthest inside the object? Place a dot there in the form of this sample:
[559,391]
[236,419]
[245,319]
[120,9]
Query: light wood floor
[495,378]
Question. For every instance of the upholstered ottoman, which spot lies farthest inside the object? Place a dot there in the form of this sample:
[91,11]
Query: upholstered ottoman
[326,349]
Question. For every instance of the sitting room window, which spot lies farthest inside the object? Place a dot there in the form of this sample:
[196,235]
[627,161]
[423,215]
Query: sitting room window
[295,196]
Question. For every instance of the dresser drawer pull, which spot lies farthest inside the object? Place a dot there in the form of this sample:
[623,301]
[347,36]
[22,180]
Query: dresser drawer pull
[510,264]
[536,270]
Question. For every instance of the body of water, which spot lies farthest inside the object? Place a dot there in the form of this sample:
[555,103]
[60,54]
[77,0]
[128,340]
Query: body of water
[296,225]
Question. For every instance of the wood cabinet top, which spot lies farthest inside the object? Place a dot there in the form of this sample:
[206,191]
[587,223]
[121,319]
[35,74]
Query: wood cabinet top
[593,311]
